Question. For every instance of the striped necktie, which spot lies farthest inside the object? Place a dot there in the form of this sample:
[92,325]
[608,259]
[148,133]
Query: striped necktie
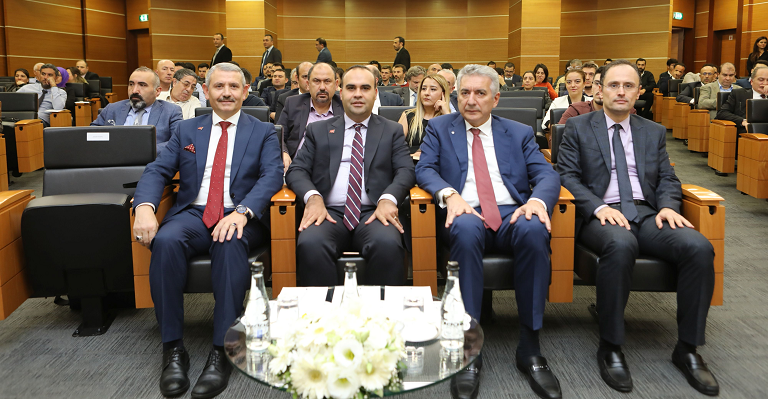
[354,189]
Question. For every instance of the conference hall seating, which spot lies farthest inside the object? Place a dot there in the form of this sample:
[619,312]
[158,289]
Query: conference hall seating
[722,142]
[697,127]
[752,176]
[680,119]
[669,103]
[393,112]
[83,114]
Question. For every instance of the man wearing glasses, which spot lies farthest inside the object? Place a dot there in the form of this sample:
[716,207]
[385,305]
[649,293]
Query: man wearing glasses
[708,74]
[628,201]
[184,84]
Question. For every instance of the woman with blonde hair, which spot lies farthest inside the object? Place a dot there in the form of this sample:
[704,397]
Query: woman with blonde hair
[433,100]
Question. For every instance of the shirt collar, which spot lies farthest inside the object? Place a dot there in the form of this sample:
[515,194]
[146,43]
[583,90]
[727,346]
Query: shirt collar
[610,122]
[146,109]
[271,47]
[232,119]
[755,94]
[723,88]
[348,123]
[485,128]
[312,108]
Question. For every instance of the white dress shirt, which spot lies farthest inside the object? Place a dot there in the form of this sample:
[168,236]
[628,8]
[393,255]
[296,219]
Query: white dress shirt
[755,95]
[412,98]
[338,194]
[187,107]
[213,142]
[377,103]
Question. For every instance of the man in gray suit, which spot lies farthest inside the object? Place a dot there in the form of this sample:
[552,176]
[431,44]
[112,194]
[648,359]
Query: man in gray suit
[143,108]
[324,54]
[628,201]
[413,77]
[708,93]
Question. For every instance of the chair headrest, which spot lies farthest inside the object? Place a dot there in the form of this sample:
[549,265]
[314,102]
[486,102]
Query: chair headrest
[99,146]
[19,102]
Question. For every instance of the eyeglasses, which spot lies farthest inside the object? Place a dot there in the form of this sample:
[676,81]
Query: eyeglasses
[617,86]
[707,73]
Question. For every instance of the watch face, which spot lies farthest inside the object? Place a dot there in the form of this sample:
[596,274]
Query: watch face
[241,209]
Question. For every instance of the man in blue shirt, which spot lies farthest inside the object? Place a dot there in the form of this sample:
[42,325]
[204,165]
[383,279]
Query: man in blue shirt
[49,97]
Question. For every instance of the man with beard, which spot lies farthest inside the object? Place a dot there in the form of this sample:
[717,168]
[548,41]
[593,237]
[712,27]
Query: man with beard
[583,107]
[184,83]
[48,95]
[142,107]
[647,84]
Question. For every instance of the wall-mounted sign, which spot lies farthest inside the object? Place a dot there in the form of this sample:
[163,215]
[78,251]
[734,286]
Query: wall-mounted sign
[677,15]
[145,17]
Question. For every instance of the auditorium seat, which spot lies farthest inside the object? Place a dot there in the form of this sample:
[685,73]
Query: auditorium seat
[106,88]
[83,115]
[555,114]
[526,116]
[388,88]
[522,93]
[669,103]
[752,175]
[260,113]
[722,142]
[680,120]
[394,112]
[658,105]
[525,102]
[3,166]
[697,127]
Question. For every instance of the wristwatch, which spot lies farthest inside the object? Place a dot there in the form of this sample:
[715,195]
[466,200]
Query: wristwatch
[242,209]
[449,193]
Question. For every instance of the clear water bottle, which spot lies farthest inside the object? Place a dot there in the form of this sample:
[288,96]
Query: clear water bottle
[350,295]
[256,316]
[452,312]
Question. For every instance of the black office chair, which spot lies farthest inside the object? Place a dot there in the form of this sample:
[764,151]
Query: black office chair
[15,107]
[722,97]
[555,114]
[541,88]
[696,94]
[95,85]
[509,82]
[7,79]
[78,89]
[562,90]
[522,93]
[393,113]
[260,113]
[757,116]
[106,85]
[558,131]
[526,116]
[528,102]
[673,87]
[83,192]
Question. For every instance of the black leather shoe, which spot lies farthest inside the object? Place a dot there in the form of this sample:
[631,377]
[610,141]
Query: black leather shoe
[174,380]
[614,370]
[540,377]
[696,372]
[215,376]
[466,383]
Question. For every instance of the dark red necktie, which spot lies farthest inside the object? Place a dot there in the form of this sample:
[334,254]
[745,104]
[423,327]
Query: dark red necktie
[490,210]
[214,207]
[355,185]
[762,96]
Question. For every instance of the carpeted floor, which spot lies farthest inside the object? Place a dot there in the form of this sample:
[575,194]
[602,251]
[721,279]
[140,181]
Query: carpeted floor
[40,359]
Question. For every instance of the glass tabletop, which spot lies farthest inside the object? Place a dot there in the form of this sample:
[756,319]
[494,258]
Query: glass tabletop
[427,362]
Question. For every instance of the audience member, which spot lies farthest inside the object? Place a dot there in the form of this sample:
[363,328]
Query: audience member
[340,213]
[589,69]
[398,75]
[383,98]
[585,107]
[708,93]
[301,88]
[85,71]
[76,77]
[386,76]
[339,75]
[324,55]
[433,100]
[413,77]
[607,61]
[403,57]
[433,69]
[223,53]
[49,96]
[278,83]
[509,74]
[184,83]
[377,63]
[628,205]
[165,71]
[735,109]
[542,73]
[677,71]
[260,82]
[271,53]
[707,74]
[143,108]
[574,82]
[446,65]
[62,78]
[177,66]
[743,82]
[450,77]
[202,70]
[491,64]
[252,100]
[758,52]
[21,78]
[528,84]
[219,211]
[487,203]
[647,84]
[572,64]
[36,71]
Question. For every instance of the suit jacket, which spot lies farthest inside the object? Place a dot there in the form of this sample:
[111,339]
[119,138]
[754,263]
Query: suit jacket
[253,101]
[516,79]
[404,93]
[403,57]
[664,79]
[708,97]
[444,159]
[164,116]
[281,97]
[744,83]
[735,109]
[389,99]
[455,100]
[388,166]
[584,163]
[269,96]
[324,56]
[274,56]
[294,118]
[256,174]
[90,76]
[686,95]
[224,55]
[648,82]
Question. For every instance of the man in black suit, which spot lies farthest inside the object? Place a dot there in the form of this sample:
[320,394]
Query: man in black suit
[384,98]
[708,74]
[509,74]
[223,53]
[677,72]
[302,77]
[403,57]
[647,84]
[324,55]
[355,209]
[271,53]
[85,72]
[628,201]
[409,93]
[278,83]
[735,109]
[320,103]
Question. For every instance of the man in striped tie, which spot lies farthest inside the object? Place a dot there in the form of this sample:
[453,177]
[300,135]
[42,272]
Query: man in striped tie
[352,172]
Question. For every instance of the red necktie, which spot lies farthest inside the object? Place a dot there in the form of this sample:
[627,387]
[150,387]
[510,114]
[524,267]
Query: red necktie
[214,208]
[490,210]
[355,185]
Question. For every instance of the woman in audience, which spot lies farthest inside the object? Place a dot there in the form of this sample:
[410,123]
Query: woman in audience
[541,73]
[574,82]
[433,100]
[22,77]
[529,82]
[75,77]
[758,52]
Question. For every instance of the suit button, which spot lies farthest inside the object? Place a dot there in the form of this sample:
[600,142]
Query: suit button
[232,195]
[367,190]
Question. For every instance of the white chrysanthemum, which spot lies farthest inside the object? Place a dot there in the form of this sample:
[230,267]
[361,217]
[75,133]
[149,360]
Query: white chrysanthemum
[315,334]
[348,353]
[376,372]
[343,383]
[281,359]
[377,337]
[309,379]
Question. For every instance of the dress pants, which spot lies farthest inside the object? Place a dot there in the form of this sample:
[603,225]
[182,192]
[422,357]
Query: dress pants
[319,247]
[182,237]
[526,240]
[683,248]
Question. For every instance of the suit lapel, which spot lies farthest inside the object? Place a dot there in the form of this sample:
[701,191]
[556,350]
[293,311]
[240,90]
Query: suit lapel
[459,140]
[202,137]
[640,142]
[372,139]
[335,147]
[303,117]
[600,130]
[154,116]
[501,142]
[243,135]
[123,113]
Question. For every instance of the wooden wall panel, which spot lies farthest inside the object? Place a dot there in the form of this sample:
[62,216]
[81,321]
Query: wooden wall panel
[245,33]
[687,7]
[133,9]
[3,52]
[104,26]
[725,14]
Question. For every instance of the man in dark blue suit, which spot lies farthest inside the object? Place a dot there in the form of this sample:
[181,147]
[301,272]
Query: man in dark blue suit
[230,167]
[385,98]
[143,108]
[480,169]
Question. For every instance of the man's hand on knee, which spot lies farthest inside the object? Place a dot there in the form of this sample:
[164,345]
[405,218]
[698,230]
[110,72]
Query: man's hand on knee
[226,228]
[315,212]
[456,206]
[144,225]
[673,218]
[386,212]
[530,209]
[613,217]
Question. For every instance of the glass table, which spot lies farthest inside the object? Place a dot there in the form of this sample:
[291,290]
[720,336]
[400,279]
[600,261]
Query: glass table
[428,364]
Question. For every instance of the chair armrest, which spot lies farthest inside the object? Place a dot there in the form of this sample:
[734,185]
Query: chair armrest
[8,198]
[419,196]
[701,195]
[547,154]
[565,196]
[284,197]
[703,209]
[283,227]
[562,245]
[699,111]
[722,122]
[62,118]
[423,239]
[28,122]
[755,136]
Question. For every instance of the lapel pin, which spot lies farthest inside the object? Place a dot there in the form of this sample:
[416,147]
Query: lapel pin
[200,128]
[451,131]
[332,131]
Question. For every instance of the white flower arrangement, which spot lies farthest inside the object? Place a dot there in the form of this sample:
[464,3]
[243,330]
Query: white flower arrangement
[350,352]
